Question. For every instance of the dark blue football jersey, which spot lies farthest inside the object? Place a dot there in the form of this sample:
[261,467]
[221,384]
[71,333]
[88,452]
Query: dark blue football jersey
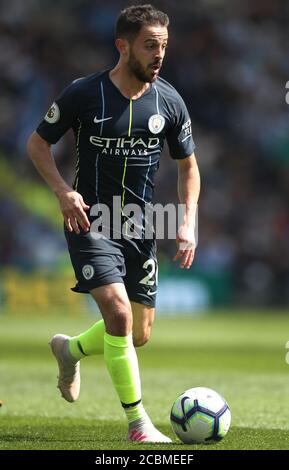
[118,140]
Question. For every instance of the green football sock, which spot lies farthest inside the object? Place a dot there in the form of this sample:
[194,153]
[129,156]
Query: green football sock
[136,414]
[88,343]
[122,364]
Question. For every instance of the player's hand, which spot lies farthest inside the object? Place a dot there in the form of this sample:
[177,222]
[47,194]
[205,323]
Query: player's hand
[186,246]
[73,209]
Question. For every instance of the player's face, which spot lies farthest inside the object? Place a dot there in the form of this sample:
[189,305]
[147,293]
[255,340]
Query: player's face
[147,52]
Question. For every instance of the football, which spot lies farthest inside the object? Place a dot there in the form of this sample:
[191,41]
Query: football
[200,415]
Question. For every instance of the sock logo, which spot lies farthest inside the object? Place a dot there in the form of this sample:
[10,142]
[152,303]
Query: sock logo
[88,271]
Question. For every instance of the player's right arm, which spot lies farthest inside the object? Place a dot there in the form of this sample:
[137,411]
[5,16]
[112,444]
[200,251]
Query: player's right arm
[71,202]
[60,117]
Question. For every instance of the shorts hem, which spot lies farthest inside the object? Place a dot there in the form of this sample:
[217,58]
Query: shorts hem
[81,289]
[148,303]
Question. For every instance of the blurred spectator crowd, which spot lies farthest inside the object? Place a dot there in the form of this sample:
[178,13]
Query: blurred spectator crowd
[229,61]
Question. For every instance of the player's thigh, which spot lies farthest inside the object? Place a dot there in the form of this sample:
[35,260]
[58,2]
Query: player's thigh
[115,308]
[143,318]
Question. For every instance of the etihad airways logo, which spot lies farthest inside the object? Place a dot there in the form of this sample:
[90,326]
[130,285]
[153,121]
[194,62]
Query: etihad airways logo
[124,142]
[125,145]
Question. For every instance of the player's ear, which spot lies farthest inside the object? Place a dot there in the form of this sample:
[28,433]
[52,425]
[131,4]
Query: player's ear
[122,46]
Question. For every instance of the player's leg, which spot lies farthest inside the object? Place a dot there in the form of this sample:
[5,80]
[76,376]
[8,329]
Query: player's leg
[69,350]
[141,286]
[143,318]
[90,342]
[141,281]
[121,360]
[95,262]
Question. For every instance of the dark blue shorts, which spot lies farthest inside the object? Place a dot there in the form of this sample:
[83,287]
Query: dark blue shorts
[98,262]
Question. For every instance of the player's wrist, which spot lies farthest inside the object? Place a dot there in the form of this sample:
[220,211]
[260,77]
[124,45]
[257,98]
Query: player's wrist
[61,191]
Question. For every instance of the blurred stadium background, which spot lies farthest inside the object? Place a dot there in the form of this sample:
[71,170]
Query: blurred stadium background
[229,61]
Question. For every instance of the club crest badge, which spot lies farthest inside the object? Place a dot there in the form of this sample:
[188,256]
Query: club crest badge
[88,272]
[156,123]
[53,114]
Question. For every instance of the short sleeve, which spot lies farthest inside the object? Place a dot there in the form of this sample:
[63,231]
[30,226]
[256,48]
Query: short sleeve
[60,116]
[179,135]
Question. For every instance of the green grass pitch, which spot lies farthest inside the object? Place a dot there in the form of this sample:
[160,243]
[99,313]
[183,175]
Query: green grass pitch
[240,355]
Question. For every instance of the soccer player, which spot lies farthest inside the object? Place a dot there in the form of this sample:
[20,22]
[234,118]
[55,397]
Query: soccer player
[120,119]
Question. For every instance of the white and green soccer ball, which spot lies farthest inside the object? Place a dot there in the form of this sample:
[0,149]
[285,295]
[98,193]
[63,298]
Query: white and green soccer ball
[200,415]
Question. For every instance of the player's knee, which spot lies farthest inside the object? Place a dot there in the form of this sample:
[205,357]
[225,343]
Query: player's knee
[140,339]
[118,319]
[117,316]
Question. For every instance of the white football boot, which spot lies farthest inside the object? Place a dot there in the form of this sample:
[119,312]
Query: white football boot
[144,431]
[69,368]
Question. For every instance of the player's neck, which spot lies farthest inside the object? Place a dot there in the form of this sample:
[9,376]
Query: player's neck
[128,84]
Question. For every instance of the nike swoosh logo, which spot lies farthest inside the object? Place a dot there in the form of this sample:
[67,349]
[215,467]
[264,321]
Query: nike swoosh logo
[151,293]
[101,120]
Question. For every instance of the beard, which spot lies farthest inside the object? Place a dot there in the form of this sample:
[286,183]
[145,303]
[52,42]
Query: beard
[143,74]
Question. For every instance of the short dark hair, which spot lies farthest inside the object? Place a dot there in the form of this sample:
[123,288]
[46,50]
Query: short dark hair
[133,18]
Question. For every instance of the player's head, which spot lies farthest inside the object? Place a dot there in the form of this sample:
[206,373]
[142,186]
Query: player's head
[141,38]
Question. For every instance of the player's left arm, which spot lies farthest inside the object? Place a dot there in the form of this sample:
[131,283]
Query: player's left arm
[188,191]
